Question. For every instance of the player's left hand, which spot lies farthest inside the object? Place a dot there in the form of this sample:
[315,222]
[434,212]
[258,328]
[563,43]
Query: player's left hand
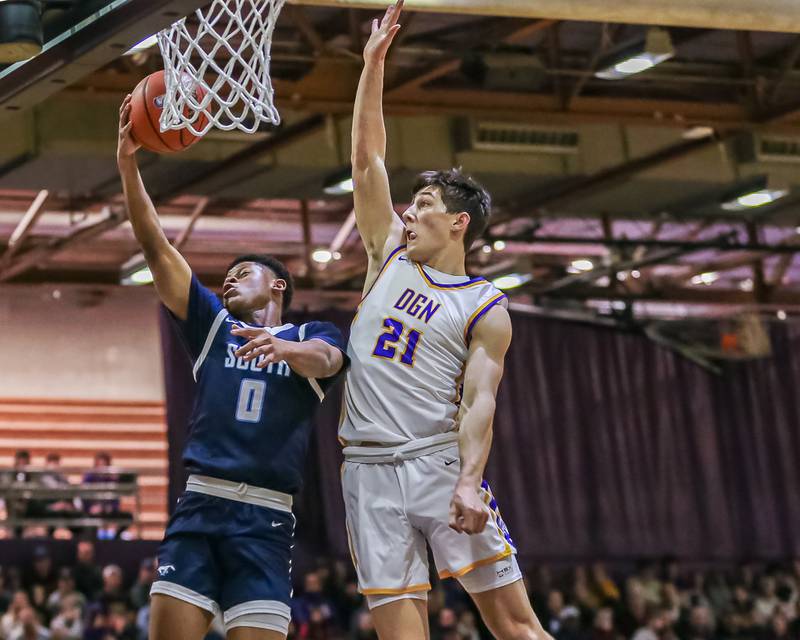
[468,513]
[260,343]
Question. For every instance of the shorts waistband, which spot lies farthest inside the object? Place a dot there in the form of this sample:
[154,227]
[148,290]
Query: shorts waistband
[407,451]
[240,491]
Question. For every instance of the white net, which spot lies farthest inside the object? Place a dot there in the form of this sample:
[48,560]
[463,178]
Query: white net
[216,67]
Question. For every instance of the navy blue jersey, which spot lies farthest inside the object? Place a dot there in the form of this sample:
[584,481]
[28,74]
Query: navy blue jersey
[248,424]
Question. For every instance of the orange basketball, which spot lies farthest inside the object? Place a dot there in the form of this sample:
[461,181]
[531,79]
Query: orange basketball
[146,105]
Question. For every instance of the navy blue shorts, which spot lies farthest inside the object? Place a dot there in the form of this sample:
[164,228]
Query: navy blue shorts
[227,556]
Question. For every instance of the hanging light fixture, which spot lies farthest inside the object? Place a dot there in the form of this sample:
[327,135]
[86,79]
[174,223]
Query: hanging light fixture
[21,34]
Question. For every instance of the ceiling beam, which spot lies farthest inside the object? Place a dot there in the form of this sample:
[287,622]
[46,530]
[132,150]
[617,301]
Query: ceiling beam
[24,228]
[83,44]
[81,233]
[198,210]
[764,15]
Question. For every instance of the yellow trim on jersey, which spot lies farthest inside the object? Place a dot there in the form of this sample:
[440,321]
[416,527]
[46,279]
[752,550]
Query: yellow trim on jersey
[478,311]
[396,252]
[465,570]
[396,592]
[449,287]
[488,497]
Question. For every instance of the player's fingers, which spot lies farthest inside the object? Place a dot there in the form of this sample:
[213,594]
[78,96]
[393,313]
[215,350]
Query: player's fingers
[246,348]
[127,129]
[455,518]
[265,360]
[259,351]
[246,332]
[374,25]
[393,32]
[398,7]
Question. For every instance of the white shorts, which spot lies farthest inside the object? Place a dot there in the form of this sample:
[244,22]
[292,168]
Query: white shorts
[394,508]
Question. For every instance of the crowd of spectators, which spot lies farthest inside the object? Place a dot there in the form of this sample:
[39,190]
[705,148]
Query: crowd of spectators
[656,601]
[66,509]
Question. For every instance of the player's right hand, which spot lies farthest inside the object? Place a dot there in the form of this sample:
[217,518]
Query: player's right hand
[383,33]
[126,145]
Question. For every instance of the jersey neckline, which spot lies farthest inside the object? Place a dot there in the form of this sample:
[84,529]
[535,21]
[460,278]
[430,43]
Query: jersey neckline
[446,280]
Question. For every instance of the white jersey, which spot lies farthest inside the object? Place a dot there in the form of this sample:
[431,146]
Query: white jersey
[408,345]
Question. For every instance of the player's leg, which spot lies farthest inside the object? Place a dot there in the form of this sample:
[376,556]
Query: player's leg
[185,593]
[252,633]
[508,614]
[174,619]
[389,555]
[256,562]
[398,619]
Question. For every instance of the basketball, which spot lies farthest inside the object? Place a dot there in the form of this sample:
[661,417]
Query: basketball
[146,105]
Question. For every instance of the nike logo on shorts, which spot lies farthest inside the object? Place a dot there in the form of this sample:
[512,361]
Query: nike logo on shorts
[277,524]
[447,463]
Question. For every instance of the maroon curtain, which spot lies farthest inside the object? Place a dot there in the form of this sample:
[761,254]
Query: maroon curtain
[609,446]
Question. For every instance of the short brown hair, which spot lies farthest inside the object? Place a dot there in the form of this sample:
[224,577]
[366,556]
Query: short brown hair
[460,192]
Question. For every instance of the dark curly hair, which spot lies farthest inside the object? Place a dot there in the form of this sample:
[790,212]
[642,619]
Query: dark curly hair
[460,193]
[274,265]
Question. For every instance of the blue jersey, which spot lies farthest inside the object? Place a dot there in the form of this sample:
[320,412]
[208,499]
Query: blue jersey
[248,424]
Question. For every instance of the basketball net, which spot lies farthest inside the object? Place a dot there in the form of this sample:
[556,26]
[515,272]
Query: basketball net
[227,55]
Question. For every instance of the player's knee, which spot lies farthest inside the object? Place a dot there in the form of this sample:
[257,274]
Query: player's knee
[511,629]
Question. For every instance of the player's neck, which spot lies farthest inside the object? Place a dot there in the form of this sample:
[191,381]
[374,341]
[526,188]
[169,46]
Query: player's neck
[269,316]
[450,260]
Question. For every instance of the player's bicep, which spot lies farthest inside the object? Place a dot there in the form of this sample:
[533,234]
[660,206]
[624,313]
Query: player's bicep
[172,278]
[491,338]
[372,203]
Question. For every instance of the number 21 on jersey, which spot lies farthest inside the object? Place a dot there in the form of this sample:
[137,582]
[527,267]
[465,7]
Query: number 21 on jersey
[393,331]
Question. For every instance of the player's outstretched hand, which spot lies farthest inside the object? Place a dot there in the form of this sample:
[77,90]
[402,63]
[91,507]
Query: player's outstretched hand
[468,513]
[383,33]
[126,145]
[260,343]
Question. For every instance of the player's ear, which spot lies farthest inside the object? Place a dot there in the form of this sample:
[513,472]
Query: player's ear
[279,284]
[460,221]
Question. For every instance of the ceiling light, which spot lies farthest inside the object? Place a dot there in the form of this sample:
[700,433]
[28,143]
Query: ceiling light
[511,280]
[622,276]
[698,133]
[636,273]
[582,265]
[499,245]
[781,314]
[337,255]
[144,45]
[746,285]
[339,183]
[135,271]
[706,278]
[486,248]
[322,256]
[658,48]
[755,199]
[21,34]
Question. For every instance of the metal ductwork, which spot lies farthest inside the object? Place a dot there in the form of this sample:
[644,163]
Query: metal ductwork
[749,15]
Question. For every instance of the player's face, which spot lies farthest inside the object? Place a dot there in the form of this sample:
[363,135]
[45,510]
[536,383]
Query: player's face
[250,286]
[429,227]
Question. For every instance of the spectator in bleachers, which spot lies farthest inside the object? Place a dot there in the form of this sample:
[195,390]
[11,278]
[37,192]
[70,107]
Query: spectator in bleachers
[65,590]
[40,572]
[655,624]
[363,627]
[603,625]
[11,618]
[767,600]
[5,592]
[88,577]
[22,460]
[551,620]
[140,591]
[312,611]
[604,587]
[68,623]
[29,627]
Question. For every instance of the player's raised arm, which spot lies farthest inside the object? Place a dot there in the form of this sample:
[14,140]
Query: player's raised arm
[171,273]
[484,369]
[375,217]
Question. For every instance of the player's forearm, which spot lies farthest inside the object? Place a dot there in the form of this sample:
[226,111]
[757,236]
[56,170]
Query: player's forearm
[369,130]
[313,359]
[475,438]
[141,212]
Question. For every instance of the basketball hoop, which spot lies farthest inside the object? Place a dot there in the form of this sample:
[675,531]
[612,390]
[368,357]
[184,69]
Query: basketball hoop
[227,54]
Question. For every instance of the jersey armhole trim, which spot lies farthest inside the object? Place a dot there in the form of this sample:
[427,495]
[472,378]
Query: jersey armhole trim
[386,262]
[301,334]
[479,313]
[212,332]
